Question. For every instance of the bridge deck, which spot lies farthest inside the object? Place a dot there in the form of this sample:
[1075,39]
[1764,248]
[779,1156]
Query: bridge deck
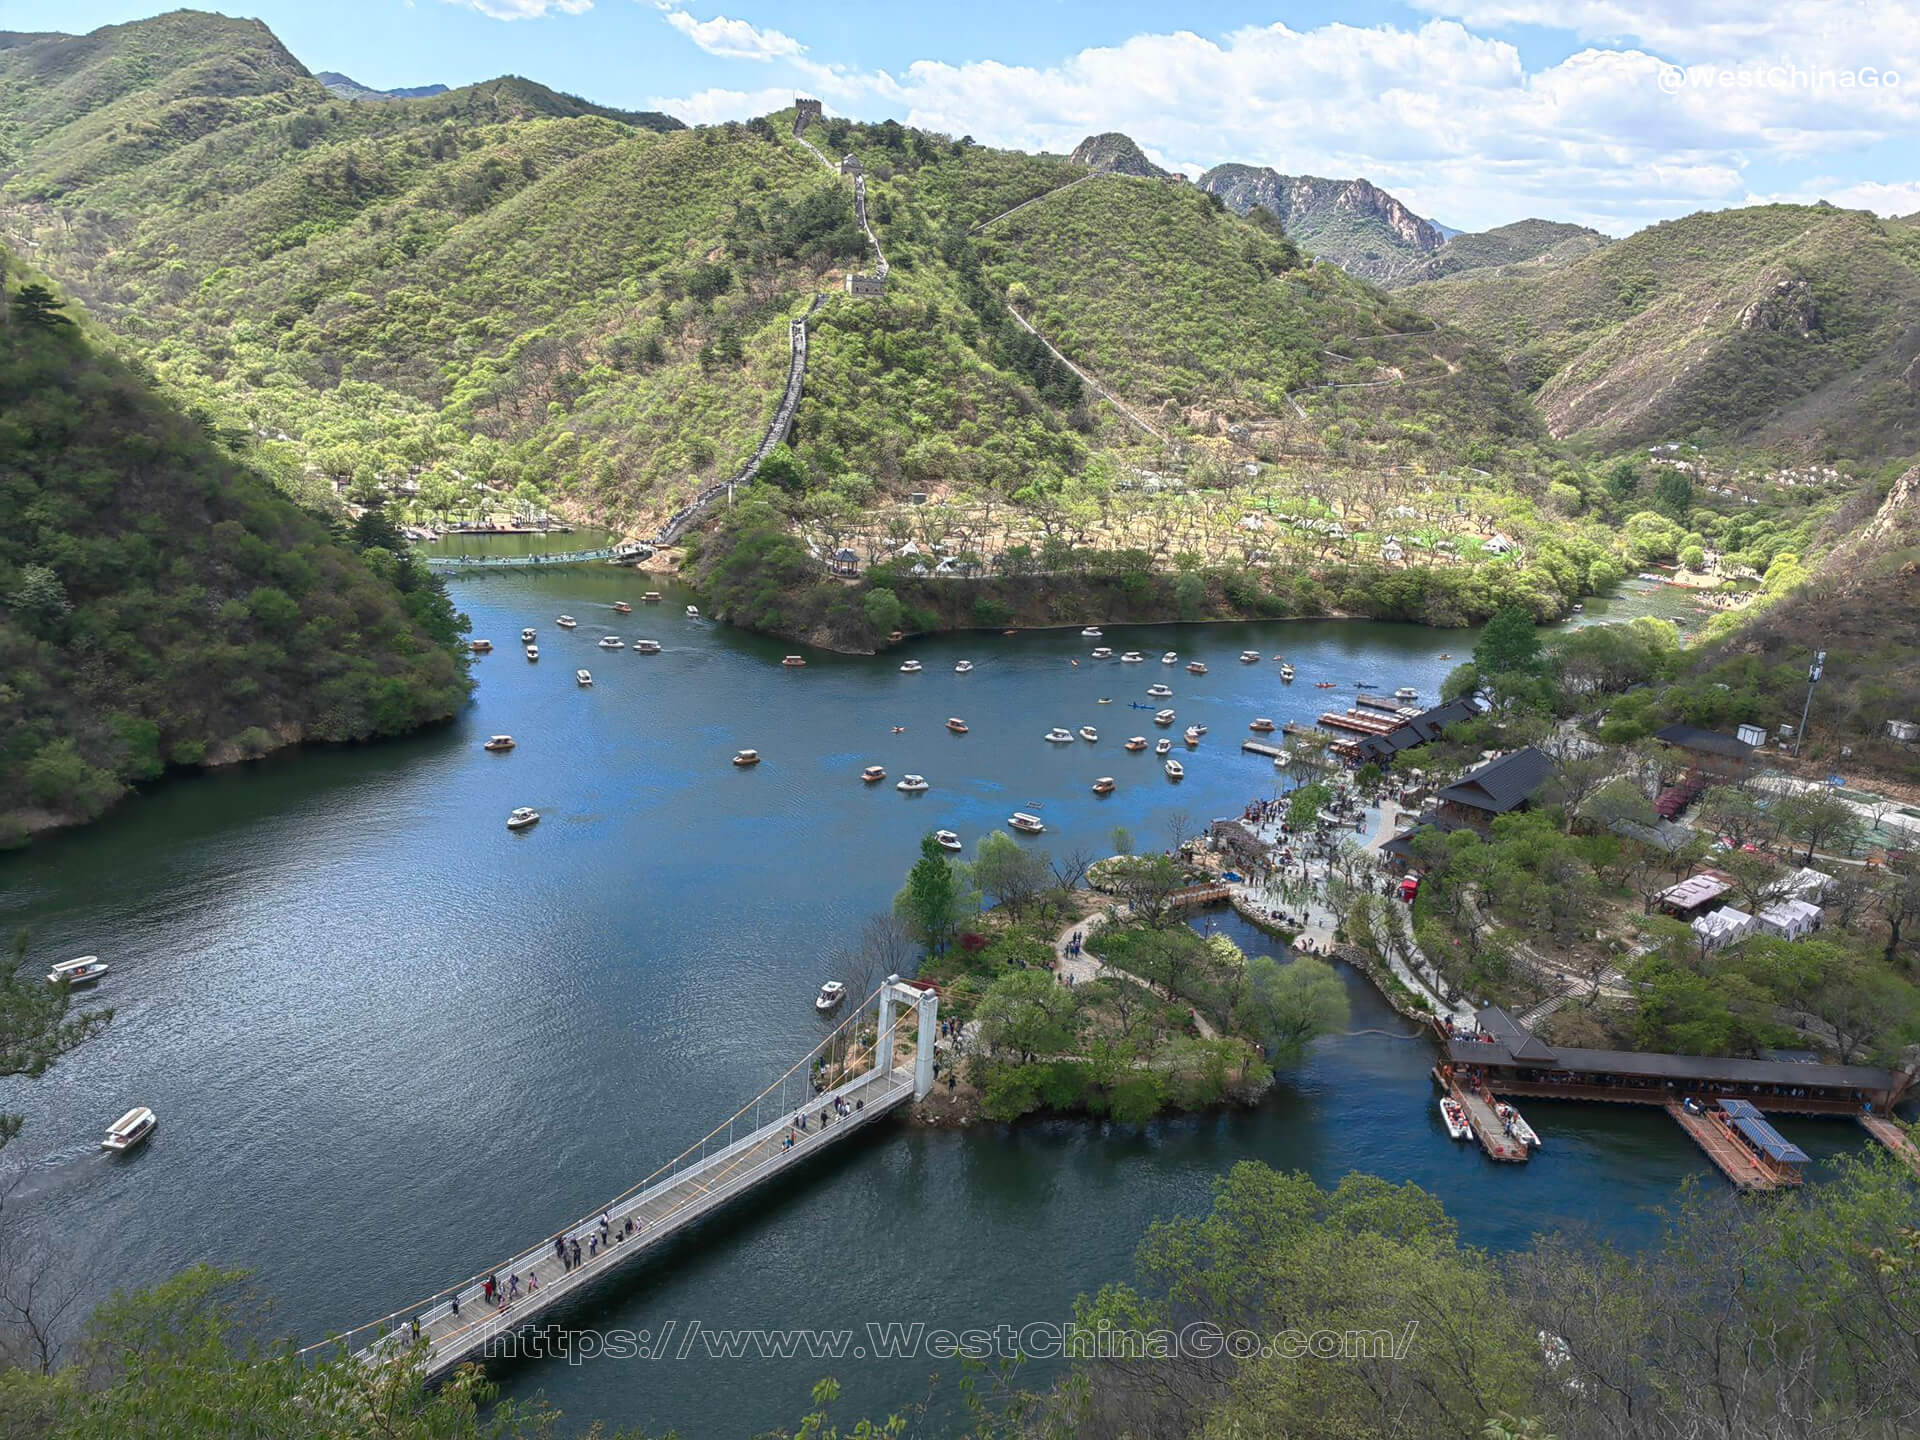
[464,1327]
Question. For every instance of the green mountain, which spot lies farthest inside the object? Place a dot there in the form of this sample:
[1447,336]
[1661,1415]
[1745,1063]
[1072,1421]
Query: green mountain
[348,88]
[162,603]
[1115,154]
[1360,228]
[1531,244]
[1783,325]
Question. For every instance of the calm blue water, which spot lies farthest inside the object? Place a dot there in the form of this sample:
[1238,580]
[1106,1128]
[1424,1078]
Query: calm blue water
[390,1041]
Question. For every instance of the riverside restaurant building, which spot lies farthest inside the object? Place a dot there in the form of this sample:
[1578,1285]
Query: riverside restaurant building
[1510,1059]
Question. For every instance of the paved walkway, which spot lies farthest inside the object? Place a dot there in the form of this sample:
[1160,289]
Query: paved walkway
[1083,968]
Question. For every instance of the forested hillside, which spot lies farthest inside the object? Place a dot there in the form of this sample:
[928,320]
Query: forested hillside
[161,603]
[1533,244]
[1787,325]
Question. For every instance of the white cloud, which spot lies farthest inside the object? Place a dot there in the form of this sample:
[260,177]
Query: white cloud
[524,9]
[1900,198]
[1452,121]
[733,39]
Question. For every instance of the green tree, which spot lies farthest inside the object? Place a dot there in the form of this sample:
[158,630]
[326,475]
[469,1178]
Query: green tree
[1673,495]
[1028,1014]
[39,307]
[1508,644]
[1305,803]
[882,610]
[1290,1006]
[1007,872]
[930,903]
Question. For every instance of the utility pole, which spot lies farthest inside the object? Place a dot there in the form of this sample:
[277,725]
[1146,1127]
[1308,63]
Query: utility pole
[1813,679]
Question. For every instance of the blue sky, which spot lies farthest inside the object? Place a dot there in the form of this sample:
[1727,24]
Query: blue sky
[1614,113]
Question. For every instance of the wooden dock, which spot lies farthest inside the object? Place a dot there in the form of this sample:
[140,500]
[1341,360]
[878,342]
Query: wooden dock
[1735,1161]
[1255,747]
[1378,702]
[1893,1137]
[1487,1129]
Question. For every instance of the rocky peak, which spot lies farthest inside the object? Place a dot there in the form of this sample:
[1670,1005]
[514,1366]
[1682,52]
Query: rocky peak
[1116,154]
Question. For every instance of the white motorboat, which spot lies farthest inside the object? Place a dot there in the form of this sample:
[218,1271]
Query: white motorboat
[912,784]
[956,725]
[527,636]
[1261,725]
[1455,1115]
[1287,673]
[693,612]
[1026,824]
[1172,657]
[1163,717]
[533,652]
[1089,734]
[1060,736]
[1162,746]
[1194,732]
[499,744]
[947,840]
[963,667]
[910,667]
[84,971]
[1517,1126]
[1092,632]
[647,647]
[1159,692]
[583,677]
[523,817]
[1283,759]
[129,1130]
[1196,667]
[1136,743]
[1406,692]
[1132,657]
[1103,652]
[612,642]
[652,597]
[1249,657]
[746,758]
[832,996]
[1103,786]
[794,662]
[566,622]
[1175,770]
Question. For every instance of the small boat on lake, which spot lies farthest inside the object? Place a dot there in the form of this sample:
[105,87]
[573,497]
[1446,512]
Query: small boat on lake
[1026,824]
[1249,657]
[1287,673]
[947,840]
[873,774]
[963,667]
[129,1130]
[612,642]
[910,667]
[481,647]
[912,784]
[1103,786]
[1516,1125]
[1103,652]
[1283,759]
[1060,735]
[693,612]
[794,662]
[1137,743]
[1172,657]
[832,996]
[1160,692]
[1132,657]
[499,743]
[583,677]
[1104,700]
[1163,717]
[652,597]
[1089,734]
[744,758]
[522,818]
[647,647]
[1193,735]
[1175,770]
[1196,667]
[956,725]
[527,636]
[1323,685]
[87,970]
[1162,746]
[533,652]
[566,622]
[1455,1116]
[1406,692]
[1092,632]
[621,607]
[1261,725]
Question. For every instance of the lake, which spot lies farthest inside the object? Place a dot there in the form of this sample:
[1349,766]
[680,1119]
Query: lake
[390,1042]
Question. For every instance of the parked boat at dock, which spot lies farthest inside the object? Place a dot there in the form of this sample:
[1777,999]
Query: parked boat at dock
[1455,1116]
[1516,1125]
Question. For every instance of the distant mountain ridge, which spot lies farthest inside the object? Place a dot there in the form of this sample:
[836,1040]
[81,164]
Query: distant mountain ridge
[1115,154]
[1540,244]
[348,88]
[1353,223]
